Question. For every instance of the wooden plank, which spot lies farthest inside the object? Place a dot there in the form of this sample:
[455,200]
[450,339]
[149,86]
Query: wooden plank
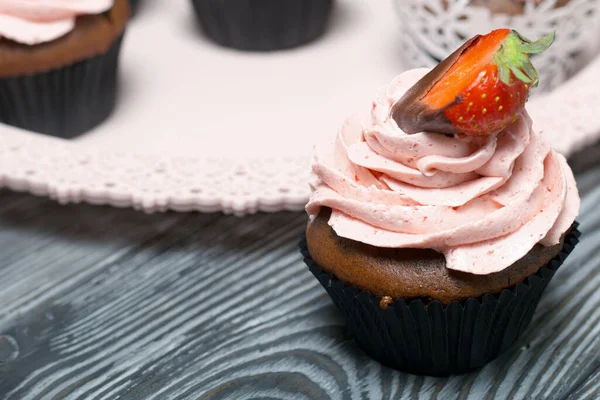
[47,248]
[107,303]
[589,390]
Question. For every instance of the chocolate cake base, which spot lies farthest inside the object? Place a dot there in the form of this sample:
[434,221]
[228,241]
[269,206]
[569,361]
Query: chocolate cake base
[93,35]
[424,336]
[410,273]
[64,102]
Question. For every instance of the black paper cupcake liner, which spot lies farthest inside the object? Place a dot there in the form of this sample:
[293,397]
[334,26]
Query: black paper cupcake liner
[64,102]
[133,5]
[263,25]
[428,338]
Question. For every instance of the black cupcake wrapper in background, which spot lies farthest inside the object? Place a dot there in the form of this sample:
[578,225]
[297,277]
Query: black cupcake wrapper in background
[263,25]
[133,6]
[63,102]
[438,340]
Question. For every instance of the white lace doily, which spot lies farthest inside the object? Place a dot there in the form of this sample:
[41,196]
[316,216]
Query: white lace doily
[434,28]
[233,132]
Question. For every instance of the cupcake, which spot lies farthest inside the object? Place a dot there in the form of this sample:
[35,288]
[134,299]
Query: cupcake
[263,25]
[133,5]
[59,64]
[436,225]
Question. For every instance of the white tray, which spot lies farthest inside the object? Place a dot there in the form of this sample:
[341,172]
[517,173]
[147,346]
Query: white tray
[204,128]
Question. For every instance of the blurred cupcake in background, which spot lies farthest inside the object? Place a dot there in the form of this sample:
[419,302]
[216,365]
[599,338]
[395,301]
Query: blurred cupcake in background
[263,25]
[432,29]
[133,5]
[58,68]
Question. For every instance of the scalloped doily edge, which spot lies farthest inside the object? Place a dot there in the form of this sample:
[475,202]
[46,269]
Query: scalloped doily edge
[71,173]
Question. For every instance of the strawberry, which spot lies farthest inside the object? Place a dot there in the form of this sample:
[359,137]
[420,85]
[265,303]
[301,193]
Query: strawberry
[478,90]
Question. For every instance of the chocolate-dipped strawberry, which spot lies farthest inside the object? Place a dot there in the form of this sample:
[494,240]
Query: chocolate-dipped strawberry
[478,90]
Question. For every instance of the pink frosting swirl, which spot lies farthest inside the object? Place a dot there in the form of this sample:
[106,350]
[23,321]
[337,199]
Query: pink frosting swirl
[37,21]
[483,202]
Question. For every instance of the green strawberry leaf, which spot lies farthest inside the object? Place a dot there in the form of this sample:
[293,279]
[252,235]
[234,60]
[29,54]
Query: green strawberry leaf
[504,74]
[539,46]
[520,74]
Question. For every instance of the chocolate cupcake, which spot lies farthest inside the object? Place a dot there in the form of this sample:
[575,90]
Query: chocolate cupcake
[58,73]
[263,25]
[436,234]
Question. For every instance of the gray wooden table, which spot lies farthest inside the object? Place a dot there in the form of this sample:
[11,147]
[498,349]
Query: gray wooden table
[100,303]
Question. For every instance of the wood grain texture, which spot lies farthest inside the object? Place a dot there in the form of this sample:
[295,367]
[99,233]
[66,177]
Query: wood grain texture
[105,304]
